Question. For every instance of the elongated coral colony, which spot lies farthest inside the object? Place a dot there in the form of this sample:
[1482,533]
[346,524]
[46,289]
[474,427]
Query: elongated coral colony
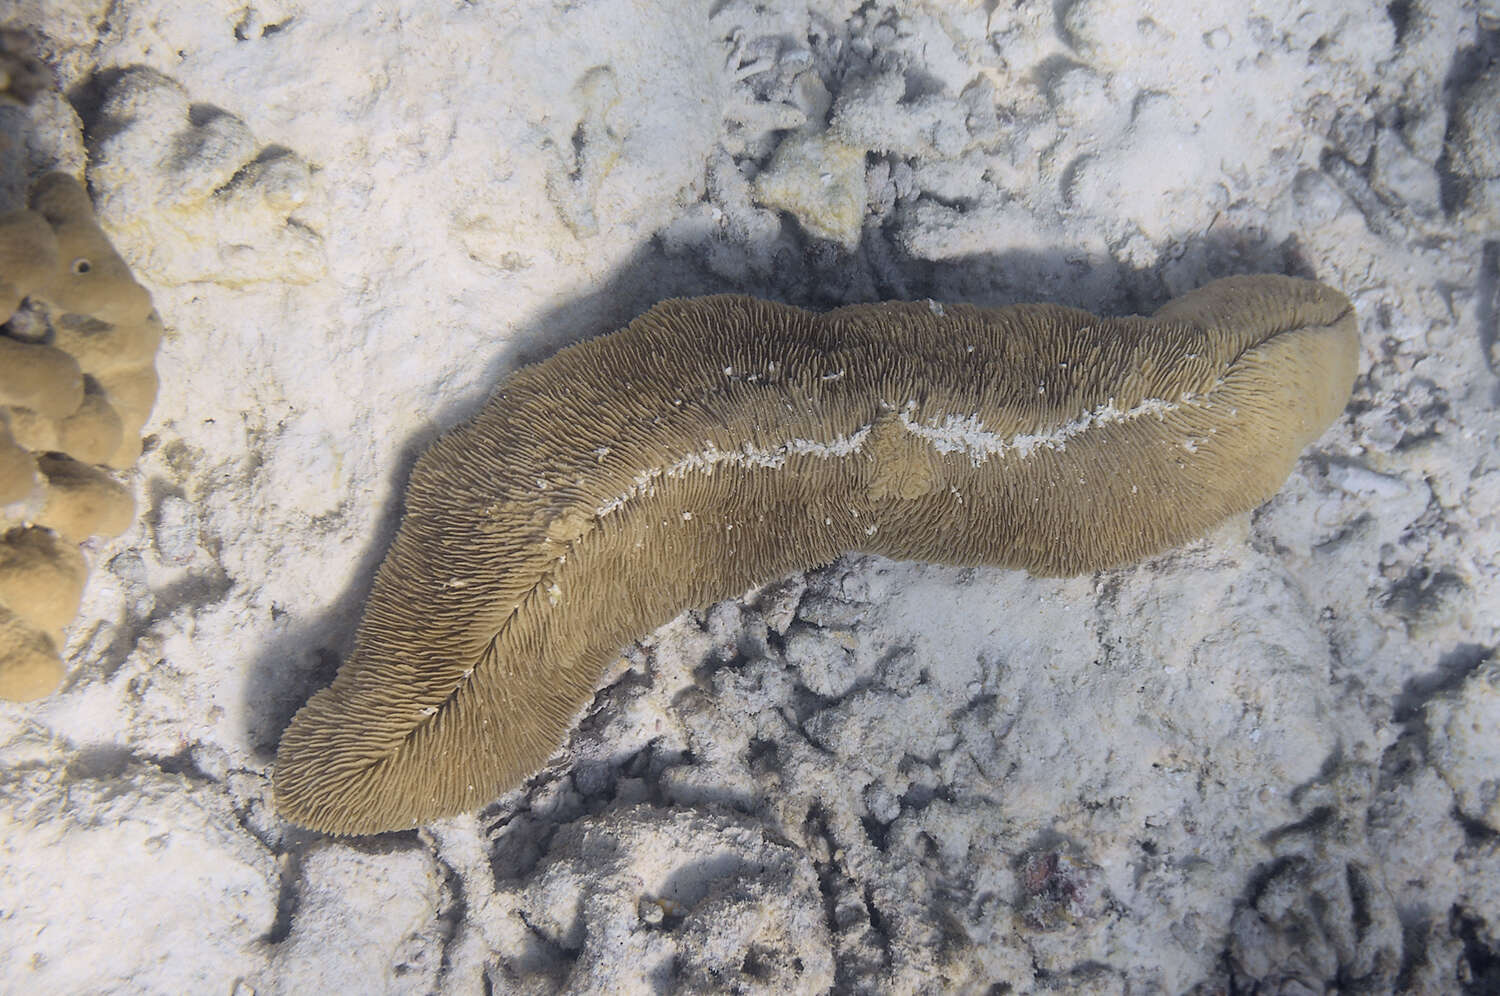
[716,443]
[77,381]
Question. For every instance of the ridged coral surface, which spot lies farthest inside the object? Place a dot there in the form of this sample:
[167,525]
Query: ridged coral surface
[720,442]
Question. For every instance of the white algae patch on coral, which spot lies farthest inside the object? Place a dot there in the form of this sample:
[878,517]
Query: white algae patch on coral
[1263,763]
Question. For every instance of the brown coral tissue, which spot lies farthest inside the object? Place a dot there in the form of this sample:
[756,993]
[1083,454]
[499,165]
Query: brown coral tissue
[77,382]
[719,442]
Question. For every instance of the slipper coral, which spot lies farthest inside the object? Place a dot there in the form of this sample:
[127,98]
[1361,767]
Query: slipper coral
[717,443]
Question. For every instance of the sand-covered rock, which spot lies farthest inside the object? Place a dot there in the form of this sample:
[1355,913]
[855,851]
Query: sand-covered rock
[189,191]
[675,900]
[131,836]
[379,939]
[1473,148]
[1463,746]
[821,182]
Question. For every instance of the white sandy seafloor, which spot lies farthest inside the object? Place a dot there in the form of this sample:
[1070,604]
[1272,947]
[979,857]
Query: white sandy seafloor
[1266,763]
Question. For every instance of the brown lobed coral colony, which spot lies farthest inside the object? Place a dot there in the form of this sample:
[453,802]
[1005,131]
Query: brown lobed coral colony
[77,381]
[720,442]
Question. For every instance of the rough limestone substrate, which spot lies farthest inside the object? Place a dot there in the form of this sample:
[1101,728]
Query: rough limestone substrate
[1249,763]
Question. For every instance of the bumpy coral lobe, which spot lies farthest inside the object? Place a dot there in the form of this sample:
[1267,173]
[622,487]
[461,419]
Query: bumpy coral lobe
[717,443]
[77,381]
